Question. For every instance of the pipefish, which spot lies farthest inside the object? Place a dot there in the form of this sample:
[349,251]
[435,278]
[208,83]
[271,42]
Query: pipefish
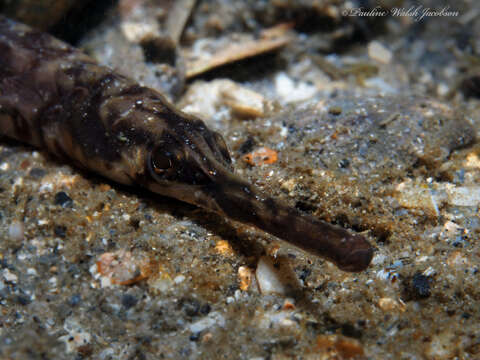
[55,97]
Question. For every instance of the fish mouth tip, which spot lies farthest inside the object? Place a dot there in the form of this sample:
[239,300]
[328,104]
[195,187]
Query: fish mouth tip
[358,260]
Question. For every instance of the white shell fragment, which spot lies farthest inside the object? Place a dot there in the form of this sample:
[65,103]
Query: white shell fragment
[377,51]
[464,195]
[76,335]
[205,99]
[430,197]
[244,102]
[290,91]
[9,276]
[135,31]
[212,319]
[268,278]
[275,279]
[418,196]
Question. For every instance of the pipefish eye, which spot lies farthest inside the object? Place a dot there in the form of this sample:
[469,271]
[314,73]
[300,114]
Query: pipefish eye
[161,161]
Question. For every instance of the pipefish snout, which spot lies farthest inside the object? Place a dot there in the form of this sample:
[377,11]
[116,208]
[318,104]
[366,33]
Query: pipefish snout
[53,96]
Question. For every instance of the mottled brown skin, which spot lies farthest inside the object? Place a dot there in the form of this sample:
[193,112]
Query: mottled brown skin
[55,97]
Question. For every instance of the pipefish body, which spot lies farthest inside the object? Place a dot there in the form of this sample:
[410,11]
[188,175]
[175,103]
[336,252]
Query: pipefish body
[53,96]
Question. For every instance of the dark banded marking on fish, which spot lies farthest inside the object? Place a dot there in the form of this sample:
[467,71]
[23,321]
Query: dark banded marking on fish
[55,97]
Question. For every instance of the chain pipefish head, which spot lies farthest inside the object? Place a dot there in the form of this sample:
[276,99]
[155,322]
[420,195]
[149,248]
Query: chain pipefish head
[186,159]
[187,162]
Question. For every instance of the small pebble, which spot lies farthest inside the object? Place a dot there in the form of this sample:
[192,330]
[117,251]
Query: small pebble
[247,146]
[23,300]
[16,231]
[37,173]
[335,110]
[123,268]
[470,86]
[161,281]
[388,305]
[62,199]
[421,285]
[60,231]
[377,51]
[129,301]
[195,336]
[9,276]
[191,307]
[344,163]
[75,300]
[179,279]
[32,272]
[205,309]
[289,185]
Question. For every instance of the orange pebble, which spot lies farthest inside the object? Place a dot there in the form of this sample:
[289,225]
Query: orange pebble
[245,275]
[339,347]
[288,305]
[261,156]
[224,248]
